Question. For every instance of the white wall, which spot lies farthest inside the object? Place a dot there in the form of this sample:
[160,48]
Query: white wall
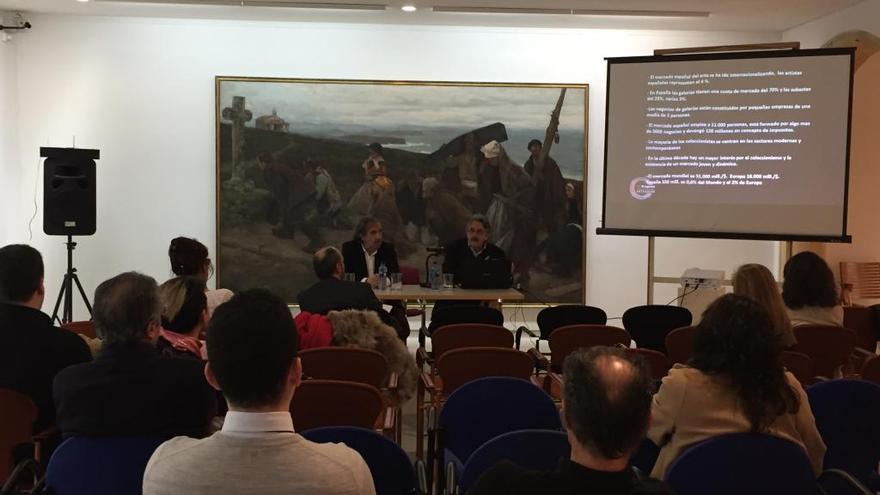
[10,172]
[142,90]
[864,203]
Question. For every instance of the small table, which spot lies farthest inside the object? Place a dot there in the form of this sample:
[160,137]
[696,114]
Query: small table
[425,294]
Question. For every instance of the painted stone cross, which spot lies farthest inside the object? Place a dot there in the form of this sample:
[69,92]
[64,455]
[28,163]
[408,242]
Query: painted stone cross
[238,115]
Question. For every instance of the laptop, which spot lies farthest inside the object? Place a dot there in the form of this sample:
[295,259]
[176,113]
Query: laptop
[486,274]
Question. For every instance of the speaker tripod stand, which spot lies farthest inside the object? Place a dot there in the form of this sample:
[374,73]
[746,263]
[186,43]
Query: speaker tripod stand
[66,293]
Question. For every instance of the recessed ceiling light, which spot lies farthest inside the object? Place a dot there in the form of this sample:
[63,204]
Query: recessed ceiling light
[408,8]
[82,1]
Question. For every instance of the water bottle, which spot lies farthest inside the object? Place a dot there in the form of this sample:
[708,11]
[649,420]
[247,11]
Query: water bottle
[434,276]
[383,276]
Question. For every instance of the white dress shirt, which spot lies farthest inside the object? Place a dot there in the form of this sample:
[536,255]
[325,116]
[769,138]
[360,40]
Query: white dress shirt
[249,424]
[371,262]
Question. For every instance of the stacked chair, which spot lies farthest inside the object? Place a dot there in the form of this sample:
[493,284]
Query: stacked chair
[346,386]
[478,412]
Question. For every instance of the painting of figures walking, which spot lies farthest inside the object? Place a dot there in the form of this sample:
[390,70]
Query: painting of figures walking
[299,162]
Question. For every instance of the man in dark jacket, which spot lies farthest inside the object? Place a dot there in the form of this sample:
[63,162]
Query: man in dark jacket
[32,350]
[130,389]
[364,254]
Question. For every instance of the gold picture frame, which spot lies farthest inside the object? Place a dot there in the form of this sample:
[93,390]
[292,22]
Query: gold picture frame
[423,127]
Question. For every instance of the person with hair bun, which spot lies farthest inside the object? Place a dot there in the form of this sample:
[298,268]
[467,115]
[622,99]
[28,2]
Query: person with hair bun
[184,317]
[735,383]
[189,257]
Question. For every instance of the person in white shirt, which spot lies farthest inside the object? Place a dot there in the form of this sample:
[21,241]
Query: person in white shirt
[252,347]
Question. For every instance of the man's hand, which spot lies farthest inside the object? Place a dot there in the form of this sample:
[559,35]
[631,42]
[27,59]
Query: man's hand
[373,280]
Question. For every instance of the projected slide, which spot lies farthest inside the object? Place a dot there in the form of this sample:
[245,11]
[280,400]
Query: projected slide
[740,144]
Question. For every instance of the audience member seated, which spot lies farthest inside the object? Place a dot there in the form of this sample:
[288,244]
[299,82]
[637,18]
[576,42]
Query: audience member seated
[735,383]
[252,359]
[606,410]
[331,292]
[463,257]
[32,350]
[184,317]
[757,283]
[365,253]
[130,389]
[189,257]
[809,291]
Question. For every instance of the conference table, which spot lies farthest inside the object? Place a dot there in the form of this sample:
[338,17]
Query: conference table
[423,295]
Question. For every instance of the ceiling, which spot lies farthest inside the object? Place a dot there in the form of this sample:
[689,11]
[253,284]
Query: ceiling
[728,15]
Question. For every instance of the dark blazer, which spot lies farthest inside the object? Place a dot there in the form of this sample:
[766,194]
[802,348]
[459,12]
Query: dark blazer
[32,352]
[459,258]
[355,262]
[132,390]
[332,294]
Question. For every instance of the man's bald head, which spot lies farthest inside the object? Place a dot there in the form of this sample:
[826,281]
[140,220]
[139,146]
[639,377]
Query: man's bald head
[327,262]
[607,397]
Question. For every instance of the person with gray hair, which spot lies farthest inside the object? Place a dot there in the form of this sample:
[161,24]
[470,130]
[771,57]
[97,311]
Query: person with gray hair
[131,389]
[606,409]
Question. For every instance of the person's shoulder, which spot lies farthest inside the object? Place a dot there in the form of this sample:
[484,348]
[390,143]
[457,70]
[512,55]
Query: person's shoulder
[350,246]
[173,451]
[388,246]
[69,342]
[651,486]
[494,250]
[333,456]
[508,478]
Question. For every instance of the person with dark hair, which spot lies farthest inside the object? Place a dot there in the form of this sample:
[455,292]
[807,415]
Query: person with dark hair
[364,254]
[606,408]
[809,291]
[184,317]
[189,258]
[550,198]
[130,389]
[252,359]
[735,383]
[32,350]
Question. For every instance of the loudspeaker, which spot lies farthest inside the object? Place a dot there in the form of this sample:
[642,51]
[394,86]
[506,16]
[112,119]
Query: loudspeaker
[69,191]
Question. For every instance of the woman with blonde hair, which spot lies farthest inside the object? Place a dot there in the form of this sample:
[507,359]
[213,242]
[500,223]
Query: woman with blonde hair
[757,283]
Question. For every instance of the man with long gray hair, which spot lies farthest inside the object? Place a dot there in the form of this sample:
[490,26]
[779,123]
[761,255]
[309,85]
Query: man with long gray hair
[130,389]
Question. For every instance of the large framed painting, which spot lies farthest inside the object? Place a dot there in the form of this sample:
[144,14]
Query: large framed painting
[299,161]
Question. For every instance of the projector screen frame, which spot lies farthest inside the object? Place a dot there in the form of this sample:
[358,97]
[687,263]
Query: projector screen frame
[842,238]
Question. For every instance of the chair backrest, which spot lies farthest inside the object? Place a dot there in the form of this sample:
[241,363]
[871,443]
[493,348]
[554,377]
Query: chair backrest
[319,403]
[17,416]
[657,361]
[871,370]
[346,364]
[450,315]
[847,413]
[567,339]
[648,325]
[680,344]
[742,463]
[450,337]
[800,365]
[409,275]
[861,320]
[550,319]
[485,408]
[99,466]
[829,347]
[460,366]
[864,278]
[392,471]
[85,327]
[539,450]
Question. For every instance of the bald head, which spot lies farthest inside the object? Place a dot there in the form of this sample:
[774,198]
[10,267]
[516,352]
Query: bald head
[607,399]
[327,262]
